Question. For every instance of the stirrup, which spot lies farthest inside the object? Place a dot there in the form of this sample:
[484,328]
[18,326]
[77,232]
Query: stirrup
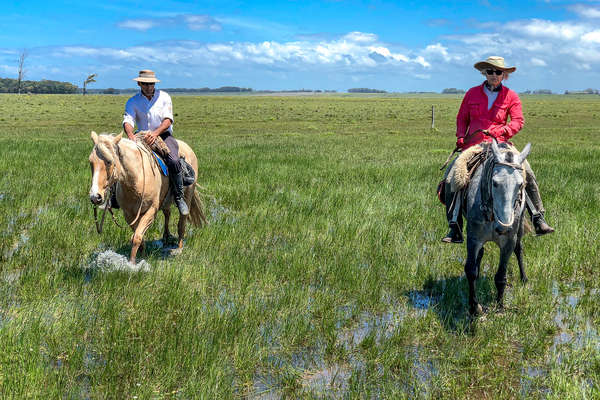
[454,235]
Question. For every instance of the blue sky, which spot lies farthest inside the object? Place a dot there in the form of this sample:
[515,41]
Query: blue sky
[328,44]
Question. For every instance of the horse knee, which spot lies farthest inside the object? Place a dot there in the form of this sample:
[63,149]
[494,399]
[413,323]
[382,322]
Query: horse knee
[136,239]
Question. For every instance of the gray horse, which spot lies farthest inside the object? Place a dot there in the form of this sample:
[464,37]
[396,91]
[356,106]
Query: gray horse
[495,202]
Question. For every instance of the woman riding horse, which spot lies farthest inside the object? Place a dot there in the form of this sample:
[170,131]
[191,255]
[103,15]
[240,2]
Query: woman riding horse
[484,116]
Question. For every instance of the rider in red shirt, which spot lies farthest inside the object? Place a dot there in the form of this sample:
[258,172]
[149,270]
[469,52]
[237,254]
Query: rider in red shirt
[484,115]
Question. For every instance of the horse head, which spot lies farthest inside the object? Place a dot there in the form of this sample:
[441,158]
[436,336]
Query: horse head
[507,186]
[103,162]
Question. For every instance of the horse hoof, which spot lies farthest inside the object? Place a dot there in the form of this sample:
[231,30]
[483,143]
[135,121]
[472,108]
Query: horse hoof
[476,310]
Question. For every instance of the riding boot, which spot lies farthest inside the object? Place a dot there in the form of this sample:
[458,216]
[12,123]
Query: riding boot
[177,188]
[535,205]
[454,215]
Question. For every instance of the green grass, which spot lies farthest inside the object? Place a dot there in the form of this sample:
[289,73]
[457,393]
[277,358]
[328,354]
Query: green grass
[322,265]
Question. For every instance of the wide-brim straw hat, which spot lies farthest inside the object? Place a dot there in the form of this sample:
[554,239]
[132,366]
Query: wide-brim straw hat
[147,76]
[494,62]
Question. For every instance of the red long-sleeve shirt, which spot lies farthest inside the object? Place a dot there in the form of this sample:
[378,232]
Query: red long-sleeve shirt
[474,114]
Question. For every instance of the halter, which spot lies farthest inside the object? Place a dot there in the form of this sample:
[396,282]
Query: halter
[487,199]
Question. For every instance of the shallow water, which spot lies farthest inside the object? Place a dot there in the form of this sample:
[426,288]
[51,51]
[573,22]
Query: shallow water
[109,261]
[218,213]
[17,245]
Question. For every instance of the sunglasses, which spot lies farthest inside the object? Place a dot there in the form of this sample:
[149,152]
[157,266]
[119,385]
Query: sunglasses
[493,71]
[146,83]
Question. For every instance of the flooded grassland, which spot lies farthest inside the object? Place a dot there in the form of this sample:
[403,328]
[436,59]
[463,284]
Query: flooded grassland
[321,273]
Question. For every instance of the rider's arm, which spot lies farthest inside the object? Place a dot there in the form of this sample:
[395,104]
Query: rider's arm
[462,121]
[508,130]
[129,119]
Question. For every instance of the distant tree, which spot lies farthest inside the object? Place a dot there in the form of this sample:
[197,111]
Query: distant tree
[365,90]
[111,91]
[87,80]
[453,91]
[542,91]
[21,69]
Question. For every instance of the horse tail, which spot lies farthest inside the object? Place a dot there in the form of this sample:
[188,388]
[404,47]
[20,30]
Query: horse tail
[197,210]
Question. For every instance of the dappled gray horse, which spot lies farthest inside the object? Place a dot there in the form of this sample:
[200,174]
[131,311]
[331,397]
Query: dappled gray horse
[495,202]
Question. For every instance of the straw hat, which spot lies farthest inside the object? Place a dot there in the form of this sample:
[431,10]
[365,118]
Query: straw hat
[494,62]
[146,76]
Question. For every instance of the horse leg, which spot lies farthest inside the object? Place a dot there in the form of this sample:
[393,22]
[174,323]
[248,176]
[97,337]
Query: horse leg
[478,262]
[138,235]
[500,278]
[473,250]
[181,230]
[166,232]
[519,253]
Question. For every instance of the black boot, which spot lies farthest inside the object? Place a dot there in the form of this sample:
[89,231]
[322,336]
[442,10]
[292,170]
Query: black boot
[540,224]
[177,187]
[454,215]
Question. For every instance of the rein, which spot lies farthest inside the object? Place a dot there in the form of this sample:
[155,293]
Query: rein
[107,204]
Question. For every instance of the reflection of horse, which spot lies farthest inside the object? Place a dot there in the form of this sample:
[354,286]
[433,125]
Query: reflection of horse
[495,202]
[141,189]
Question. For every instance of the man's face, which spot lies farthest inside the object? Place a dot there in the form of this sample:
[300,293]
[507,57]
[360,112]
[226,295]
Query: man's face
[147,88]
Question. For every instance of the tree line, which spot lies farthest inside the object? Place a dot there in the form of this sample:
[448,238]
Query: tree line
[8,85]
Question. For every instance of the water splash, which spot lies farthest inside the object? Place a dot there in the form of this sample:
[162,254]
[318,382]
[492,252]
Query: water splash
[109,261]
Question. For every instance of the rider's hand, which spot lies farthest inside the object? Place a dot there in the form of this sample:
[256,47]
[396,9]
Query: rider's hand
[150,138]
[460,142]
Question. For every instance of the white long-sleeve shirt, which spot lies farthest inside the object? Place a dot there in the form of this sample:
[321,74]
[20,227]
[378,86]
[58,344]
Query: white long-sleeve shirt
[149,114]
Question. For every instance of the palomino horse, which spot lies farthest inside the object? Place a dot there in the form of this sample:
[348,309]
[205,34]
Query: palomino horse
[495,202]
[141,189]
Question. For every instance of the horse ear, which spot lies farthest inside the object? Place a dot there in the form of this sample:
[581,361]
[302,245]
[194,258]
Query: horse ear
[118,138]
[94,137]
[496,150]
[524,153]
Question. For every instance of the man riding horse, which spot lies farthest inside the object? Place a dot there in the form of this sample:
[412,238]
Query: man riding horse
[152,111]
[484,116]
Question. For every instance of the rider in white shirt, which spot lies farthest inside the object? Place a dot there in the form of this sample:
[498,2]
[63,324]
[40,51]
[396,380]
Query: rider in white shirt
[151,110]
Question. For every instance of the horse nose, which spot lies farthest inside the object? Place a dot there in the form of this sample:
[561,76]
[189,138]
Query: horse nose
[501,230]
[96,198]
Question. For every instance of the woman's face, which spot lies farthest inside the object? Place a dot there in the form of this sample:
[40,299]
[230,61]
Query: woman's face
[492,76]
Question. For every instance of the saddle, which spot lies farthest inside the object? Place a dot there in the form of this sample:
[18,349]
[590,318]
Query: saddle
[160,151]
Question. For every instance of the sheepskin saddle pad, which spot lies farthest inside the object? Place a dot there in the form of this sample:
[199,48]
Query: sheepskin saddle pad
[460,173]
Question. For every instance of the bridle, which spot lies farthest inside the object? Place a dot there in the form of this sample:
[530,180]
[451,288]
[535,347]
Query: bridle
[108,189]
[112,178]
[487,198]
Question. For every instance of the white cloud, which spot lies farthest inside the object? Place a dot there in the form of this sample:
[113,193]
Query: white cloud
[547,29]
[193,22]
[137,24]
[537,62]
[585,10]
[591,37]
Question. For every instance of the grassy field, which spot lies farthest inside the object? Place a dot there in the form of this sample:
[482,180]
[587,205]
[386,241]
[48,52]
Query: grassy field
[321,275]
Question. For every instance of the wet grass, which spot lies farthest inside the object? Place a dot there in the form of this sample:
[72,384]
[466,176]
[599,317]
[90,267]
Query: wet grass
[321,274]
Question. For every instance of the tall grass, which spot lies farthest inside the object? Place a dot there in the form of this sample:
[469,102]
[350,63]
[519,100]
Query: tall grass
[321,274]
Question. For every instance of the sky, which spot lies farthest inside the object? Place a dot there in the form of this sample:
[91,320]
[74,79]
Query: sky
[398,46]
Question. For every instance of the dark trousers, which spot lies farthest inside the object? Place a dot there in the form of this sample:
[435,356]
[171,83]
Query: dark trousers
[172,160]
